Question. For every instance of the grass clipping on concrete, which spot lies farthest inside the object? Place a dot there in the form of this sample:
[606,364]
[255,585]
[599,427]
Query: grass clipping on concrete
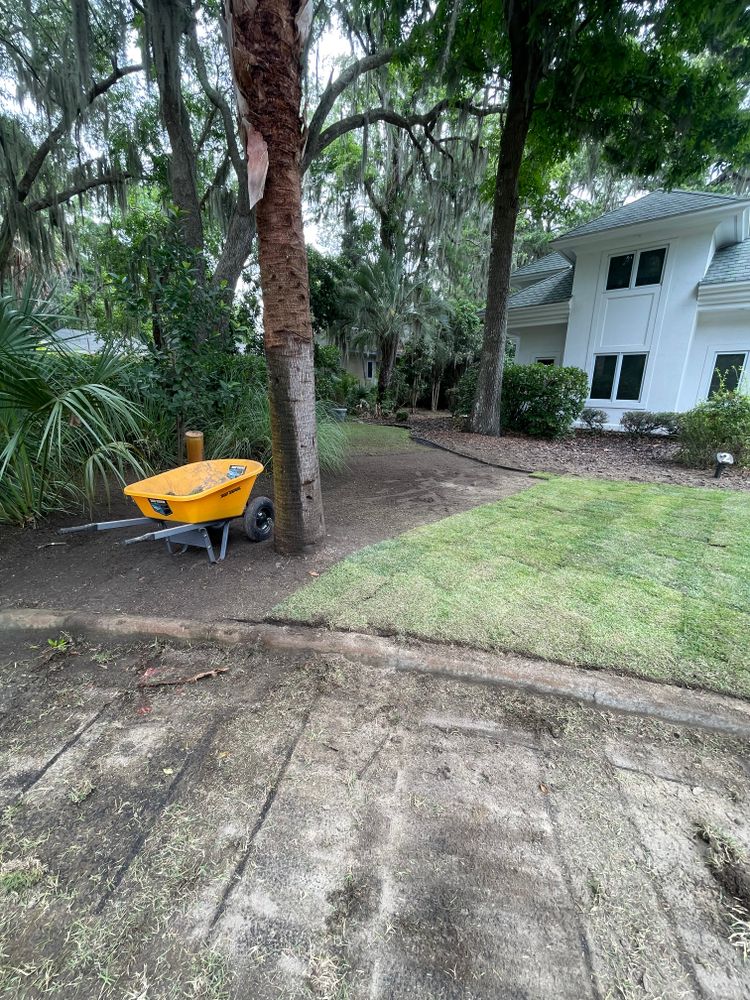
[646,579]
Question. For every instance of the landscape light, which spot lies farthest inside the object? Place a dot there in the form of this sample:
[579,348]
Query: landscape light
[723,459]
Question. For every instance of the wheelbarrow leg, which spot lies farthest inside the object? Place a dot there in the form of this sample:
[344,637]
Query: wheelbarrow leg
[224,538]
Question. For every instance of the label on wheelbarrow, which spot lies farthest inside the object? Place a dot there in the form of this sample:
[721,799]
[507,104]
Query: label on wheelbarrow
[236,470]
[161,507]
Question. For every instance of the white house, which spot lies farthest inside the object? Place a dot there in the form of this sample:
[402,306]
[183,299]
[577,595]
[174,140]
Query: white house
[650,300]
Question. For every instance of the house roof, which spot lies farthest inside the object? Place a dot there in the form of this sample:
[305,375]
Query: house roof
[555,288]
[657,205]
[729,265]
[551,263]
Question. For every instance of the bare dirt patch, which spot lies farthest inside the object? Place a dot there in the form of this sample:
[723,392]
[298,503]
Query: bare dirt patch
[313,827]
[375,497]
[609,456]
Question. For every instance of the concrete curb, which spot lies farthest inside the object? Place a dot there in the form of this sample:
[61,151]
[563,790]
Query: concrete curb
[595,688]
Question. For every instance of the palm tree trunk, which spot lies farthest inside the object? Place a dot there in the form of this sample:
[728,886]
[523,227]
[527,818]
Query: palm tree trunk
[266,50]
[388,353]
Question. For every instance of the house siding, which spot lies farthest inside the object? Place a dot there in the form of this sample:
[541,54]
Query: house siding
[696,311]
[543,341]
[725,331]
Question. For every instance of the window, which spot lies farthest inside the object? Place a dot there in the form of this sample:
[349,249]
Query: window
[618,375]
[544,361]
[370,367]
[631,376]
[727,372]
[650,266]
[648,269]
[620,269]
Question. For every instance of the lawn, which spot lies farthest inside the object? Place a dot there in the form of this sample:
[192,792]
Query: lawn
[646,579]
[377,439]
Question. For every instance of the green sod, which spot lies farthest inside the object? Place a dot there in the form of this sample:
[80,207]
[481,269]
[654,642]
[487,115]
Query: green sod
[645,579]
[375,439]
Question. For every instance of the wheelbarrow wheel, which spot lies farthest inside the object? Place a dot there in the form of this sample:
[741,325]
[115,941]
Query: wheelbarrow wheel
[259,518]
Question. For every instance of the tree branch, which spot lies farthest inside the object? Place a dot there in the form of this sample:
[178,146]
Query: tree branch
[53,137]
[391,117]
[60,197]
[332,93]
[219,102]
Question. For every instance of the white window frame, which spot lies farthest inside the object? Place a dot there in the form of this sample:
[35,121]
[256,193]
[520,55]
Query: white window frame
[616,380]
[634,270]
[369,369]
[555,358]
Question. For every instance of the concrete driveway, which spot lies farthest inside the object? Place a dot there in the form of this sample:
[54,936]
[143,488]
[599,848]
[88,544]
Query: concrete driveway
[313,827]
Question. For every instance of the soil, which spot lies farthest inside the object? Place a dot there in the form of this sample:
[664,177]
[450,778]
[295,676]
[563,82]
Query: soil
[611,455]
[315,827]
[377,496]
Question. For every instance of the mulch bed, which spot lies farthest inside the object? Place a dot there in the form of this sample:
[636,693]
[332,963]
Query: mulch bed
[610,455]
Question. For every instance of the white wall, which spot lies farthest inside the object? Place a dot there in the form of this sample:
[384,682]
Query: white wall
[658,320]
[533,342]
[717,331]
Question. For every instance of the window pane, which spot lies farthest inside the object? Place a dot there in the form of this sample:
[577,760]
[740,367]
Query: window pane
[728,370]
[545,361]
[619,271]
[631,376]
[650,266]
[604,376]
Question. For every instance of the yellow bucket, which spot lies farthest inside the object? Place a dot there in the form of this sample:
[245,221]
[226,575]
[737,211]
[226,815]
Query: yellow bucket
[203,491]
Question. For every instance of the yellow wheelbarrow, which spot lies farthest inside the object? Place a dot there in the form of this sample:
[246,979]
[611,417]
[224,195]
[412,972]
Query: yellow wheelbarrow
[190,501]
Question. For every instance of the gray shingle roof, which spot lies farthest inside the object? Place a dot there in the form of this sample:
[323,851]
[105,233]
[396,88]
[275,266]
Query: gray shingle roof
[730,264]
[550,264]
[657,205]
[556,288]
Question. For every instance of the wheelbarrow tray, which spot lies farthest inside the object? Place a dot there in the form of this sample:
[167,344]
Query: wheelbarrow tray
[197,493]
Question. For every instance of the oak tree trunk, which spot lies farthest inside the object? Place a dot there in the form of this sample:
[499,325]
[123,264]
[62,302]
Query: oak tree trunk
[526,68]
[266,55]
[168,21]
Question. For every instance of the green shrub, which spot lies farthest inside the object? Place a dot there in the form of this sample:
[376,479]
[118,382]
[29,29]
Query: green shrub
[402,416]
[641,423]
[721,423]
[542,400]
[669,422]
[66,429]
[462,396]
[592,419]
[333,384]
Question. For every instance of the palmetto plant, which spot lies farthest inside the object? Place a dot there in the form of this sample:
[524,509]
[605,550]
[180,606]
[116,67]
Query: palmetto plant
[384,306]
[65,429]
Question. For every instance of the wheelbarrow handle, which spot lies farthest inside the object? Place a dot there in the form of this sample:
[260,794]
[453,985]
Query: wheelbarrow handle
[129,522]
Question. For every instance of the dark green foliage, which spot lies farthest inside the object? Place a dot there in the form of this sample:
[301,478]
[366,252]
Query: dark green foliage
[66,428]
[463,395]
[333,384]
[593,419]
[669,422]
[401,416]
[721,423]
[641,423]
[327,276]
[542,400]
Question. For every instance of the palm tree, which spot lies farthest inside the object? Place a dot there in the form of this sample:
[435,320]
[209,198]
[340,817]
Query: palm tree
[267,40]
[65,429]
[384,306]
